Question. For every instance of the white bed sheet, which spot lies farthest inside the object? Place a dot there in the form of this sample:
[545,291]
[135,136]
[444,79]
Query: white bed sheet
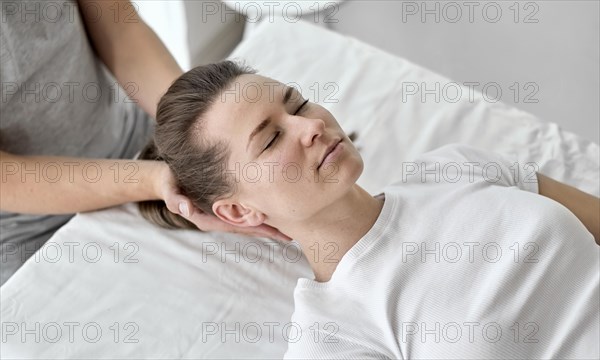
[181,299]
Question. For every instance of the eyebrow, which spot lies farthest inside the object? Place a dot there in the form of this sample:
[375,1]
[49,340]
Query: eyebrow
[263,124]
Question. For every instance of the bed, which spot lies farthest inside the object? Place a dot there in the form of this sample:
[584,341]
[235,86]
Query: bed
[110,285]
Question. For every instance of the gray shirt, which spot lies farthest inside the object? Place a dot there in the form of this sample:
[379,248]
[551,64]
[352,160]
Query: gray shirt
[56,98]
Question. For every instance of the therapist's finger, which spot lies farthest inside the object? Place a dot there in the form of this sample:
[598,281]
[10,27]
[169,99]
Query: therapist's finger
[265,230]
[181,205]
[209,222]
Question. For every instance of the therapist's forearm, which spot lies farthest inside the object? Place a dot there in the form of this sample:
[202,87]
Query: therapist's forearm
[131,50]
[63,185]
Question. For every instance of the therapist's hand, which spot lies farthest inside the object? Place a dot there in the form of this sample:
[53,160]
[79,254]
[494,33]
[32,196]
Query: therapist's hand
[179,204]
[208,222]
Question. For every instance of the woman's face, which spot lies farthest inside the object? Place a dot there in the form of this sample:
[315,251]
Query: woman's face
[278,142]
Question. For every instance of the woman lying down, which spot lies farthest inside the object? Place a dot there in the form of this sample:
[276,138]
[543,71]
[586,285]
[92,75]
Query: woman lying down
[462,267]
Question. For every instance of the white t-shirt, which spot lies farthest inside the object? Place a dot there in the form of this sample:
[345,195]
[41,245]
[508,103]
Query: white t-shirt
[475,265]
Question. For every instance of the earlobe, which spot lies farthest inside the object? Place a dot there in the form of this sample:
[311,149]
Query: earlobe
[237,214]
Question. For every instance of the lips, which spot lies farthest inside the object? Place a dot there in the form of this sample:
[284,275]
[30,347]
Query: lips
[328,151]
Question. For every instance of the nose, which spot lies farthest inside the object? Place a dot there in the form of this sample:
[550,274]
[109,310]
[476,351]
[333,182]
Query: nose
[312,129]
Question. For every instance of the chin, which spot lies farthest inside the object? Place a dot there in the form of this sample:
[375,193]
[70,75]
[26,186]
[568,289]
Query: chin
[358,165]
[351,171]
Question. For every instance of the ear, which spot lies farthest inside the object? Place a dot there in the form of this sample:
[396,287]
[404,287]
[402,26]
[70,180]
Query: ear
[237,214]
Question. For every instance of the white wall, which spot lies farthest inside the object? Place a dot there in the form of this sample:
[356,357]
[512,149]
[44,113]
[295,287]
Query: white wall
[168,20]
[560,54]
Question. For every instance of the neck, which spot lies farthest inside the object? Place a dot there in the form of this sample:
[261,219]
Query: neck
[326,237]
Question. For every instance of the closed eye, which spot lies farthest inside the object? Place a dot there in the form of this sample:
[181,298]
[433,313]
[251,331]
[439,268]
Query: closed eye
[301,106]
[277,133]
[273,140]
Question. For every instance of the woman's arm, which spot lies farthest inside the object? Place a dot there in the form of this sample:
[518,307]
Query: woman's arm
[585,206]
[131,50]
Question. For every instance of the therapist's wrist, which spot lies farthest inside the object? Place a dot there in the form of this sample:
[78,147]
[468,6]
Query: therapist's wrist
[149,180]
[167,189]
[161,179]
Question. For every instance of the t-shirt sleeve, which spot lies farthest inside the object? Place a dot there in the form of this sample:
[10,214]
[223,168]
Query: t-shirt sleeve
[323,345]
[460,162]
